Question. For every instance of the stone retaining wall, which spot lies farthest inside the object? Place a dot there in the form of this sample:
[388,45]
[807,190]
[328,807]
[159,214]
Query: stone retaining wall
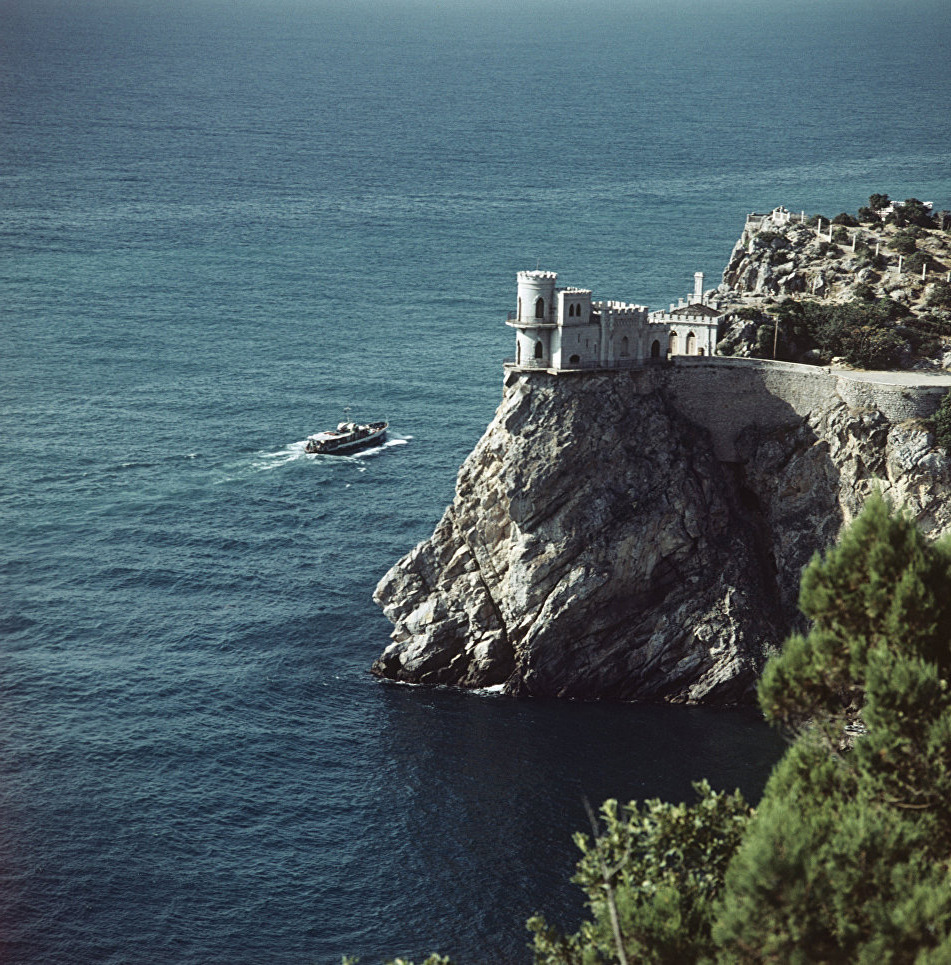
[727,395]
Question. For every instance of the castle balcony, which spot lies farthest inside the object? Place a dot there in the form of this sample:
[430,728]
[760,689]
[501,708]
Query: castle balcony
[589,366]
[513,320]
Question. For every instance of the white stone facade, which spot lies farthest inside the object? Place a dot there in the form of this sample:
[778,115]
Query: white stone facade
[562,328]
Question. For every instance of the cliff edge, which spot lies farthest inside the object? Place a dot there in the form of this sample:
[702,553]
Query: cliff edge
[601,543]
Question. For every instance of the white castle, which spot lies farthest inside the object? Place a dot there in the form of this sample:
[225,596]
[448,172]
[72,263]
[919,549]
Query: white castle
[562,328]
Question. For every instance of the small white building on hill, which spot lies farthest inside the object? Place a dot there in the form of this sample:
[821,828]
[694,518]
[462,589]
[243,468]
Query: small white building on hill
[562,328]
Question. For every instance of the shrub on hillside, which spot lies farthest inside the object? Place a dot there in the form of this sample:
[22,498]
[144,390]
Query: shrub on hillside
[862,332]
[911,212]
[929,324]
[915,262]
[915,212]
[939,296]
[905,241]
[942,423]
[845,219]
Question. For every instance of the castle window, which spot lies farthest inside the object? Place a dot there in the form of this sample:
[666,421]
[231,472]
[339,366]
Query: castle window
[519,306]
[699,351]
[571,311]
[691,344]
[655,349]
[574,360]
[624,346]
[540,308]
[538,350]
[673,343]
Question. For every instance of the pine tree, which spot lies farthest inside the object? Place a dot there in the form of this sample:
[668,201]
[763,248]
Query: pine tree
[849,855]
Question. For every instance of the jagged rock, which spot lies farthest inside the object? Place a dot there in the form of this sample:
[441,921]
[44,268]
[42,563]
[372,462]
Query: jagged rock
[597,548]
[576,557]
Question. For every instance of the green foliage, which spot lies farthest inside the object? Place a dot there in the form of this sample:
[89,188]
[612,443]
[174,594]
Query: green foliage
[905,241]
[651,877]
[930,324]
[845,219]
[868,215]
[878,201]
[915,262]
[911,212]
[915,212]
[840,236]
[748,313]
[942,422]
[939,296]
[773,238]
[861,331]
[847,858]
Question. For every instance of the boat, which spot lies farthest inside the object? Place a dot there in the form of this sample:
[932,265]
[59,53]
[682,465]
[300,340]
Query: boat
[347,437]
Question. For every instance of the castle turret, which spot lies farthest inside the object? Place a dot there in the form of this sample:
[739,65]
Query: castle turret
[535,318]
[536,296]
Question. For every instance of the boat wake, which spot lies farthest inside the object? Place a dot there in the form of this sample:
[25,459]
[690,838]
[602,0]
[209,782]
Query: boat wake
[295,451]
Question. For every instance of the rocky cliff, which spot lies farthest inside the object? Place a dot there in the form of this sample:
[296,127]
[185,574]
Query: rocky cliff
[597,547]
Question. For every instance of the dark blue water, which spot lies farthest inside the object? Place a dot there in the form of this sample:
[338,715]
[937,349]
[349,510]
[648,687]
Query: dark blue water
[219,224]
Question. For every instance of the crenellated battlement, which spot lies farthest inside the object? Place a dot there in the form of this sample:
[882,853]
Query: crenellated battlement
[620,307]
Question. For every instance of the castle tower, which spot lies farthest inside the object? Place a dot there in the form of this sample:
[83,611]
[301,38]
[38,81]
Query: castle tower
[536,296]
[535,318]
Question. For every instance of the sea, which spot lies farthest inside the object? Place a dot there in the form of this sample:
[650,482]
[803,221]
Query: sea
[223,222]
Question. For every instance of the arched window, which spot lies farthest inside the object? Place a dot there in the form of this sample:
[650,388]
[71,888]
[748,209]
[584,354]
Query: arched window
[624,348]
[655,349]
[673,343]
[571,311]
[691,343]
[518,353]
[540,308]
[538,350]
[574,360]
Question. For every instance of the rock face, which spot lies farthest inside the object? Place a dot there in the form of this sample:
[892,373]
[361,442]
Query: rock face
[596,547]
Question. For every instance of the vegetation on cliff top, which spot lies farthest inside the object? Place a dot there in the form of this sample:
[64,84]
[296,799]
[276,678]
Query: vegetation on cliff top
[848,855]
[799,296]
